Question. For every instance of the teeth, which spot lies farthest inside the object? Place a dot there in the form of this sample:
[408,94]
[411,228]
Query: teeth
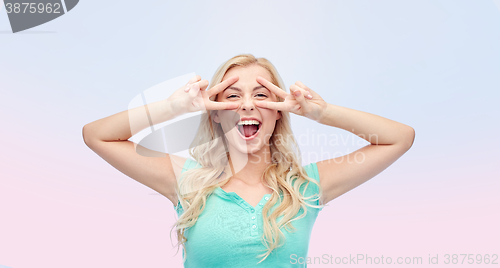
[249,122]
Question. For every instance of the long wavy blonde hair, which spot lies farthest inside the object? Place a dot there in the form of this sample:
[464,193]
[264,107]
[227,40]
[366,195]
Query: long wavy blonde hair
[284,176]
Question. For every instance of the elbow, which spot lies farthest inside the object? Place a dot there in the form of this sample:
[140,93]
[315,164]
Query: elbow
[86,136]
[409,137]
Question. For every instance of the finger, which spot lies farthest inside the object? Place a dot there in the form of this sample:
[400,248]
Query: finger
[300,84]
[307,90]
[194,79]
[294,89]
[299,96]
[222,85]
[272,87]
[191,81]
[194,89]
[306,94]
[214,105]
[280,106]
[203,84]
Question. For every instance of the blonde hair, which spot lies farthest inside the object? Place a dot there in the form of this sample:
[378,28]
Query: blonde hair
[284,176]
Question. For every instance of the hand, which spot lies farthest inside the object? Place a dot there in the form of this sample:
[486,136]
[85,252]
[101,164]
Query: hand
[303,100]
[192,97]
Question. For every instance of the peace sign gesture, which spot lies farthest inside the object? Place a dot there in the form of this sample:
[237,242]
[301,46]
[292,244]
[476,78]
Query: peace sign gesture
[192,97]
[303,100]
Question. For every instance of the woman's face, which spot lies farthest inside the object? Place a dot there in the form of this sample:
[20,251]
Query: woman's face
[248,128]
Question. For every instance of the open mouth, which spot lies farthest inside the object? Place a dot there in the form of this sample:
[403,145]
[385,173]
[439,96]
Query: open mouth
[248,128]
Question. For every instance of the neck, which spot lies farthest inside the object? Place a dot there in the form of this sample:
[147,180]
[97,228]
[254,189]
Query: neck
[249,167]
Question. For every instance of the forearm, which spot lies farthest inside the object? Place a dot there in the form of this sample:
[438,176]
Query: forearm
[125,124]
[375,129]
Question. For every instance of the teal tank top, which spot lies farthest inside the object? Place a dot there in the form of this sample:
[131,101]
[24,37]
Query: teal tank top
[228,232]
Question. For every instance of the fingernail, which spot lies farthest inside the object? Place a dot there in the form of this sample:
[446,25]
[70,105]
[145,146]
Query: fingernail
[187,88]
[297,93]
[309,96]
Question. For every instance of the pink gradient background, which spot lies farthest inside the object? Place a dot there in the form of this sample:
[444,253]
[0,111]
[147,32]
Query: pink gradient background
[62,206]
[62,213]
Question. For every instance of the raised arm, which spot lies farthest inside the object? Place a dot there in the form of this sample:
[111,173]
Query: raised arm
[108,137]
[389,139]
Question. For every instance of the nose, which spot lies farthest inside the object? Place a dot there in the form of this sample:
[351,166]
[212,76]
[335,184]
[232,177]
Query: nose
[247,104]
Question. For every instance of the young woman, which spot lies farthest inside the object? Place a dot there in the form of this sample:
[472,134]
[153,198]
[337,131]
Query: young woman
[246,200]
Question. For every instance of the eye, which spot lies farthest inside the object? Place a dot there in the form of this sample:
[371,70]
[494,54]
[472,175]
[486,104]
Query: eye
[261,95]
[230,96]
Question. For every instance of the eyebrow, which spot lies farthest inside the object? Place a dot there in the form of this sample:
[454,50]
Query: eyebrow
[255,88]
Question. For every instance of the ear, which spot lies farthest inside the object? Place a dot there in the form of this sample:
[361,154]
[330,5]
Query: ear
[278,116]
[216,118]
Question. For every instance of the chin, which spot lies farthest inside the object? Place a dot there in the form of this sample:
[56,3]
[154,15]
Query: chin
[251,149]
[242,146]
[247,148]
